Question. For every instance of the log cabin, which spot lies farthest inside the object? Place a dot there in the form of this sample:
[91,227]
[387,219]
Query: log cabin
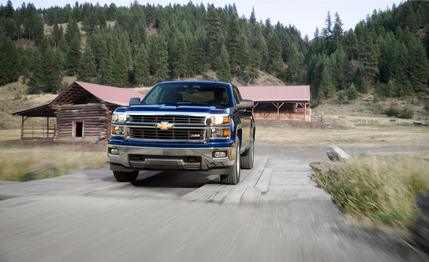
[81,112]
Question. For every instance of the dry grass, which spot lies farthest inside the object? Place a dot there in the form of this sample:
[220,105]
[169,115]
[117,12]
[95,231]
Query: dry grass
[378,188]
[357,136]
[23,162]
[27,163]
[364,106]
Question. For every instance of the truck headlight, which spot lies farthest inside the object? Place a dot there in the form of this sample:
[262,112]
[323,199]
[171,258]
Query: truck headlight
[117,130]
[219,120]
[119,118]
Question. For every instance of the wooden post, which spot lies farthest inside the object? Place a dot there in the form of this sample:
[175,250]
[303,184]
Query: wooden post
[47,127]
[278,106]
[22,127]
[305,111]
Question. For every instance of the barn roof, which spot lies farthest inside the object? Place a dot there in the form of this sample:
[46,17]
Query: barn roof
[113,95]
[39,111]
[79,91]
[276,93]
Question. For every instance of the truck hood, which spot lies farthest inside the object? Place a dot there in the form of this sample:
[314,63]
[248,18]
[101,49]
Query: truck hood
[175,108]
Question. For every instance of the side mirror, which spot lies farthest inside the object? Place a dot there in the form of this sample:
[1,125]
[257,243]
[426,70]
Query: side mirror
[246,104]
[134,101]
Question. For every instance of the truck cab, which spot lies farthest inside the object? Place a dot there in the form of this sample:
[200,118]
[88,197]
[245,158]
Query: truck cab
[199,126]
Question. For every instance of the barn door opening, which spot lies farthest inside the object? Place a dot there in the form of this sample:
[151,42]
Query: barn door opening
[78,129]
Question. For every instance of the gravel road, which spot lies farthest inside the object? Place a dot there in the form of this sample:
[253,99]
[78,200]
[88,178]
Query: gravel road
[276,213]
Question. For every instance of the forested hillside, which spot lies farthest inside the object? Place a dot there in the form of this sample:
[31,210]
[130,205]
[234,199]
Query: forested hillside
[386,53]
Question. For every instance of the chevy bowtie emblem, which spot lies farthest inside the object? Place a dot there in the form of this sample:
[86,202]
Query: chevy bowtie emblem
[164,125]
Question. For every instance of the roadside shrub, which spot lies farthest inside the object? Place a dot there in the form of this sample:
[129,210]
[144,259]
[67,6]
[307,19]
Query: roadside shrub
[375,99]
[351,92]
[405,112]
[314,103]
[342,98]
[381,189]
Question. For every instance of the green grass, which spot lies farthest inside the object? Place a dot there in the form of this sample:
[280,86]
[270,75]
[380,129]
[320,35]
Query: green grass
[381,188]
[26,163]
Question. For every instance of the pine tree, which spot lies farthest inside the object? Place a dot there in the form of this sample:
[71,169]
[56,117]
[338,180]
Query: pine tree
[119,60]
[254,64]
[8,60]
[368,57]
[73,55]
[214,36]
[197,57]
[236,46]
[327,86]
[275,62]
[158,57]
[46,76]
[87,69]
[142,67]
[337,33]
[418,66]
[426,40]
[224,70]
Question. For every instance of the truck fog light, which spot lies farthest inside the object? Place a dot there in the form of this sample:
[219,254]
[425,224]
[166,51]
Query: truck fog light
[114,151]
[219,154]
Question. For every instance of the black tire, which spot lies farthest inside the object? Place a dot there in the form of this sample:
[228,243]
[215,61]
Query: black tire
[248,158]
[125,176]
[234,174]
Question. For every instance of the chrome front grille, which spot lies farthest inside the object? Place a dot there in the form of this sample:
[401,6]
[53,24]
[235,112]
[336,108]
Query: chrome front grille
[184,128]
[171,134]
[170,119]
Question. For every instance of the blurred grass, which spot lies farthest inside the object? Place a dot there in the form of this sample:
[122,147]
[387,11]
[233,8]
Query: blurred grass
[356,136]
[29,163]
[381,188]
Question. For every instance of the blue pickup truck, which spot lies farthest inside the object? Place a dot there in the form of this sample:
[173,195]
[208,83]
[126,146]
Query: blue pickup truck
[198,126]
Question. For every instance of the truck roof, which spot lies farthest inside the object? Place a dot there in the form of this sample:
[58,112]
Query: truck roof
[195,82]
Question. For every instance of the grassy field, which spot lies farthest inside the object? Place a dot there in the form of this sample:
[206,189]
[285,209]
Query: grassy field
[34,160]
[356,136]
[380,189]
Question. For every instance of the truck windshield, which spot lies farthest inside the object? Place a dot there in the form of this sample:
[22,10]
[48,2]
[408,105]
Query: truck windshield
[185,94]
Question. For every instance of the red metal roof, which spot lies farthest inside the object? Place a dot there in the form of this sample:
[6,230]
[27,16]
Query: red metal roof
[110,94]
[275,93]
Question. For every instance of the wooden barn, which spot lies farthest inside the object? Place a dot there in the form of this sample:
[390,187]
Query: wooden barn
[279,102]
[80,112]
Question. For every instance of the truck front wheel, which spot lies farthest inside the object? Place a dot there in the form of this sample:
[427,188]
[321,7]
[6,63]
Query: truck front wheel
[234,174]
[125,176]
[248,158]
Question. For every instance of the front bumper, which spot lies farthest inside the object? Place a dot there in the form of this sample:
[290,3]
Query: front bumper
[159,158]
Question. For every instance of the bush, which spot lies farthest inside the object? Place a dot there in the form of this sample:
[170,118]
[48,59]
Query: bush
[342,98]
[314,103]
[405,112]
[375,99]
[351,92]
[383,189]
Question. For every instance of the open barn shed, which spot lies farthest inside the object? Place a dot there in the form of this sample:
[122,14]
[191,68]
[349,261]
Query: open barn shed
[80,112]
[279,102]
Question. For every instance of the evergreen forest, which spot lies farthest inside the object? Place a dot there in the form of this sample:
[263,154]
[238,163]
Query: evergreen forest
[386,52]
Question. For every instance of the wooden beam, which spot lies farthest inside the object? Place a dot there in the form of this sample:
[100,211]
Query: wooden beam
[22,127]
[305,111]
[47,127]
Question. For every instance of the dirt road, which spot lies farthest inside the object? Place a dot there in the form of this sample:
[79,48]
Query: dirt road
[276,213]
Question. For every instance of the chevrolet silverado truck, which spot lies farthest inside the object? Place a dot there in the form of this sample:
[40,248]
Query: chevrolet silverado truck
[198,126]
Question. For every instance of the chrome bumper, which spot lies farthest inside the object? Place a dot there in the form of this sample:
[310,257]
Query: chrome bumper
[157,158]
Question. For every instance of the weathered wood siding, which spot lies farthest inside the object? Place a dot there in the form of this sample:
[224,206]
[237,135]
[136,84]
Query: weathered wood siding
[95,116]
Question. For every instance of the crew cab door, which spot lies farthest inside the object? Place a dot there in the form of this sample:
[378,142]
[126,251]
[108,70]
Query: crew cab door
[245,116]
